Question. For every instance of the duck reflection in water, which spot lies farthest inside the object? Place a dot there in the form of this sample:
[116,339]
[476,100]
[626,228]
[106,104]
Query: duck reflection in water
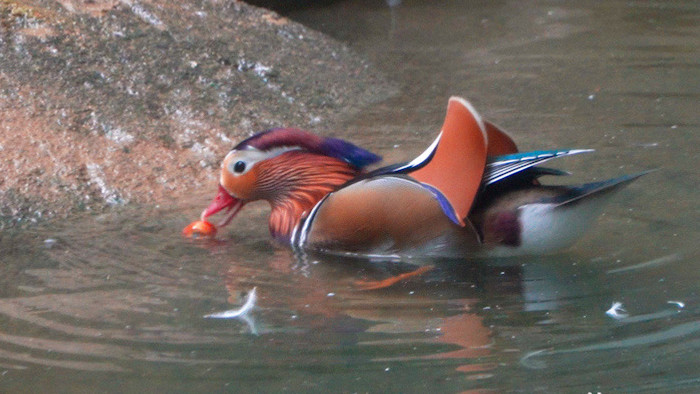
[322,293]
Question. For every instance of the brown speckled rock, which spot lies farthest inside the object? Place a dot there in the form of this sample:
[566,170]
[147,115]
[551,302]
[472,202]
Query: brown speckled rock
[113,102]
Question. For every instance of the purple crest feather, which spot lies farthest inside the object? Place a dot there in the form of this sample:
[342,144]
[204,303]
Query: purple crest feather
[353,154]
[333,147]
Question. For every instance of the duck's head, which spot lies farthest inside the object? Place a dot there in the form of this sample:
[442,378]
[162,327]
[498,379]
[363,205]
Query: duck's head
[290,168]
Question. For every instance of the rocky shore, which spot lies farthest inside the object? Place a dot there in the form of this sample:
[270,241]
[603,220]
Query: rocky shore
[112,102]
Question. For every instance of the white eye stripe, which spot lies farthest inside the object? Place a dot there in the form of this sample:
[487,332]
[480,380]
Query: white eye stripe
[251,156]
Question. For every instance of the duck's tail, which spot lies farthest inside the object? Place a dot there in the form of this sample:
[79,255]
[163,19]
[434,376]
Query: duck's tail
[557,223]
[596,190]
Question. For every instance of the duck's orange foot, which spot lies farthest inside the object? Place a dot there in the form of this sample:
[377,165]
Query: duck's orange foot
[390,281]
[199,229]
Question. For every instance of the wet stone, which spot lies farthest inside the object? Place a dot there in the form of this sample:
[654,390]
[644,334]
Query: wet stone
[146,91]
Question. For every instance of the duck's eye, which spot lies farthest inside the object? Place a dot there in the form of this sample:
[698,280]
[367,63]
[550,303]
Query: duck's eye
[239,167]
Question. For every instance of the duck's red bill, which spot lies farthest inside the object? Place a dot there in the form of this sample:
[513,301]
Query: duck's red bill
[223,201]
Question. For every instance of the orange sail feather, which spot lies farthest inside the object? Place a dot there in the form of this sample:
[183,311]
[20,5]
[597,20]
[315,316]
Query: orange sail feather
[456,164]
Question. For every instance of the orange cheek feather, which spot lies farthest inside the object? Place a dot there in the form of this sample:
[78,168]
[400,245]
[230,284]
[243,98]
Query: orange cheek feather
[199,229]
[241,187]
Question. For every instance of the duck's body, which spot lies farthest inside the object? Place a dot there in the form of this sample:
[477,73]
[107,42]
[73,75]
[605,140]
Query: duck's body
[470,194]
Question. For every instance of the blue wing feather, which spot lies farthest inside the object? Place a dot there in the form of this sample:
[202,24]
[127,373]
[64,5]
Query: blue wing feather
[500,167]
[542,171]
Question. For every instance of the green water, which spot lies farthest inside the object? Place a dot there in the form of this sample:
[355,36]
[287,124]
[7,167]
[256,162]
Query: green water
[115,302]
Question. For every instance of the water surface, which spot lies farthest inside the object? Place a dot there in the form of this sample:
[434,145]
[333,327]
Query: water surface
[115,302]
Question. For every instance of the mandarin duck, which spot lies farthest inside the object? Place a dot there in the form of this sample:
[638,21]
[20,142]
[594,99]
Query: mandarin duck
[469,194]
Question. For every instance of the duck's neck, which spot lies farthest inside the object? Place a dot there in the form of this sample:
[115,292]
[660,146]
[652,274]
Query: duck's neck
[296,182]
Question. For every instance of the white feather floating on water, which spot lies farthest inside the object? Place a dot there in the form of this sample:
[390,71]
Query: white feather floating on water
[617,311]
[241,312]
[679,304]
